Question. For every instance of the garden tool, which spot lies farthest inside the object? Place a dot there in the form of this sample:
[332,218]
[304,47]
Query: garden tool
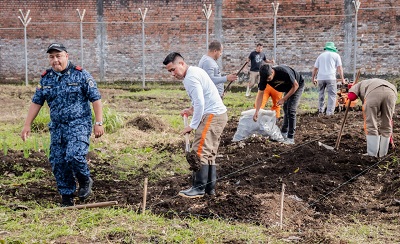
[187,143]
[191,156]
[345,115]
[343,123]
[237,73]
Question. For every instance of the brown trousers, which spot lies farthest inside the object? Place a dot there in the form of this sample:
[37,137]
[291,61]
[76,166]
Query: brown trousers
[378,107]
[207,137]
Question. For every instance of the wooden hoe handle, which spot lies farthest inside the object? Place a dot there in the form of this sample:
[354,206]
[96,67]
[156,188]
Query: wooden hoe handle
[345,116]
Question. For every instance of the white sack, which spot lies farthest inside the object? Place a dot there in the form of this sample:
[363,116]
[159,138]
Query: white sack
[265,125]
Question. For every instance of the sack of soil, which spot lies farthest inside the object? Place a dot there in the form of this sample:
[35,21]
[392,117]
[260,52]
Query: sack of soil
[265,125]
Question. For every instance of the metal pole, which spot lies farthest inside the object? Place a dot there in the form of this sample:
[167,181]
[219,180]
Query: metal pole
[356,6]
[81,26]
[143,16]
[207,13]
[275,14]
[25,21]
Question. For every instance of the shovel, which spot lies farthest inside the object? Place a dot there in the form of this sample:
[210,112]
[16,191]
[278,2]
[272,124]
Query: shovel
[191,156]
[187,143]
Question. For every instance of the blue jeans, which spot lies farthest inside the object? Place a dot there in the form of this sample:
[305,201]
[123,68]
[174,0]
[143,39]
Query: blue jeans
[289,109]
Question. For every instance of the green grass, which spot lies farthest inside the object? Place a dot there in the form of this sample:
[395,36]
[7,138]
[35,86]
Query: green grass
[131,149]
[120,225]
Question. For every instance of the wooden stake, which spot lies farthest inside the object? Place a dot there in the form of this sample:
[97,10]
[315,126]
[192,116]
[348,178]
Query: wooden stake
[92,205]
[282,199]
[144,195]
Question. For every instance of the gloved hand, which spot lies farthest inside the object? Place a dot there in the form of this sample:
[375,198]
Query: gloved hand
[352,96]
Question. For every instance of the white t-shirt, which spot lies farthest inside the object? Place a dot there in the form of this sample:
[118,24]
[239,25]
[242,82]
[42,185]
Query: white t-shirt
[327,63]
[203,93]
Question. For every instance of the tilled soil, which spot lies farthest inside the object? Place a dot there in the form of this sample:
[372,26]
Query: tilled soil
[318,183]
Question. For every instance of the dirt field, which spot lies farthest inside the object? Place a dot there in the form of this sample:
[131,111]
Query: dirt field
[320,184]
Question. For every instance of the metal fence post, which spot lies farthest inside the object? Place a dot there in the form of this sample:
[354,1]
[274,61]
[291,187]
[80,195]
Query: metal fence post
[275,16]
[356,6]
[143,16]
[207,13]
[81,20]
[25,21]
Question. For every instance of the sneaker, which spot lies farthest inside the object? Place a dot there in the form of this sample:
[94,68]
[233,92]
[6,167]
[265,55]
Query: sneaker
[85,189]
[284,135]
[288,141]
[67,200]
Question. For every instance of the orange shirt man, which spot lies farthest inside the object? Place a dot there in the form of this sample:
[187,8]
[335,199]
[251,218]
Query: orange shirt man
[275,96]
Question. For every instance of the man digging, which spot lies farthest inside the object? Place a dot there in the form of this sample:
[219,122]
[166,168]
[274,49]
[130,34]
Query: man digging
[208,121]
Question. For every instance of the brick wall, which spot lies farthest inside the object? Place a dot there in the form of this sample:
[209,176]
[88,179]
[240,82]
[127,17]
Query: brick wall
[112,34]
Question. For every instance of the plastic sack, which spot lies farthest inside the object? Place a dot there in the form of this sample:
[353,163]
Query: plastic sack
[265,125]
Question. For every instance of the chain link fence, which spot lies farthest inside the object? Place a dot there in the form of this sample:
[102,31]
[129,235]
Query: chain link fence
[134,50]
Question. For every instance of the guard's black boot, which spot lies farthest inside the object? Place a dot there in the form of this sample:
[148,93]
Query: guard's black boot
[199,184]
[212,180]
[85,189]
[67,200]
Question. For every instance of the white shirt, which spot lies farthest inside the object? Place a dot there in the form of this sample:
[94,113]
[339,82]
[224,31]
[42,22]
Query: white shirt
[203,93]
[327,63]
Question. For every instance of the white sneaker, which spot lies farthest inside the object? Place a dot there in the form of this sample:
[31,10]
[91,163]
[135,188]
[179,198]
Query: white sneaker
[288,141]
[284,135]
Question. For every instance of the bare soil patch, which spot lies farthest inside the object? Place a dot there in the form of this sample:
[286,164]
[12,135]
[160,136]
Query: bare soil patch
[320,184]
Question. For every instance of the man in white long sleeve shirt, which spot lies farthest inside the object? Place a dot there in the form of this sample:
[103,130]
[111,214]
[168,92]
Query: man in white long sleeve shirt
[209,117]
[209,64]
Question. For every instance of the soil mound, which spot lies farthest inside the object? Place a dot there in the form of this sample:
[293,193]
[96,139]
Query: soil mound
[147,123]
[319,183]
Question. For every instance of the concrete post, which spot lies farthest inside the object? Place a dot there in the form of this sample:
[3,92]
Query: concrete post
[276,7]
[143,17]
[356,6]
[101,36]
[25,21]
[81,16]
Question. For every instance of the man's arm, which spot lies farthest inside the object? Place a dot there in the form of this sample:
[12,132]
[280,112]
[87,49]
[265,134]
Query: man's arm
[294,88]
[210,69]
[340,71]
[258,102]
[314,73]
[98,114]
[32,113]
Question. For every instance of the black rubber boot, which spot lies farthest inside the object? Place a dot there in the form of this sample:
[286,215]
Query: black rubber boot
[67,200]
[212,180]
[199,184]
[85,189]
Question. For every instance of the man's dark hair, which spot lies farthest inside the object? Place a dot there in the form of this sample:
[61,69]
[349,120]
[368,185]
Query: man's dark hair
[265,71]
[171,57]
[259,45]
[215,45]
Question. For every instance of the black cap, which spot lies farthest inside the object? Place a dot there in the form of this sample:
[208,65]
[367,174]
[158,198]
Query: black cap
[56,46]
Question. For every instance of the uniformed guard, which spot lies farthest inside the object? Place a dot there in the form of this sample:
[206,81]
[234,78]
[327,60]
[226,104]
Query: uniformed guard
[68,91]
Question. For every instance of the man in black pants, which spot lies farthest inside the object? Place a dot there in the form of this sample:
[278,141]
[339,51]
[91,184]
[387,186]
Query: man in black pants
[284,79]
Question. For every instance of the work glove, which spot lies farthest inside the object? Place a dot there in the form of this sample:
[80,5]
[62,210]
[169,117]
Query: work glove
[352,96]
